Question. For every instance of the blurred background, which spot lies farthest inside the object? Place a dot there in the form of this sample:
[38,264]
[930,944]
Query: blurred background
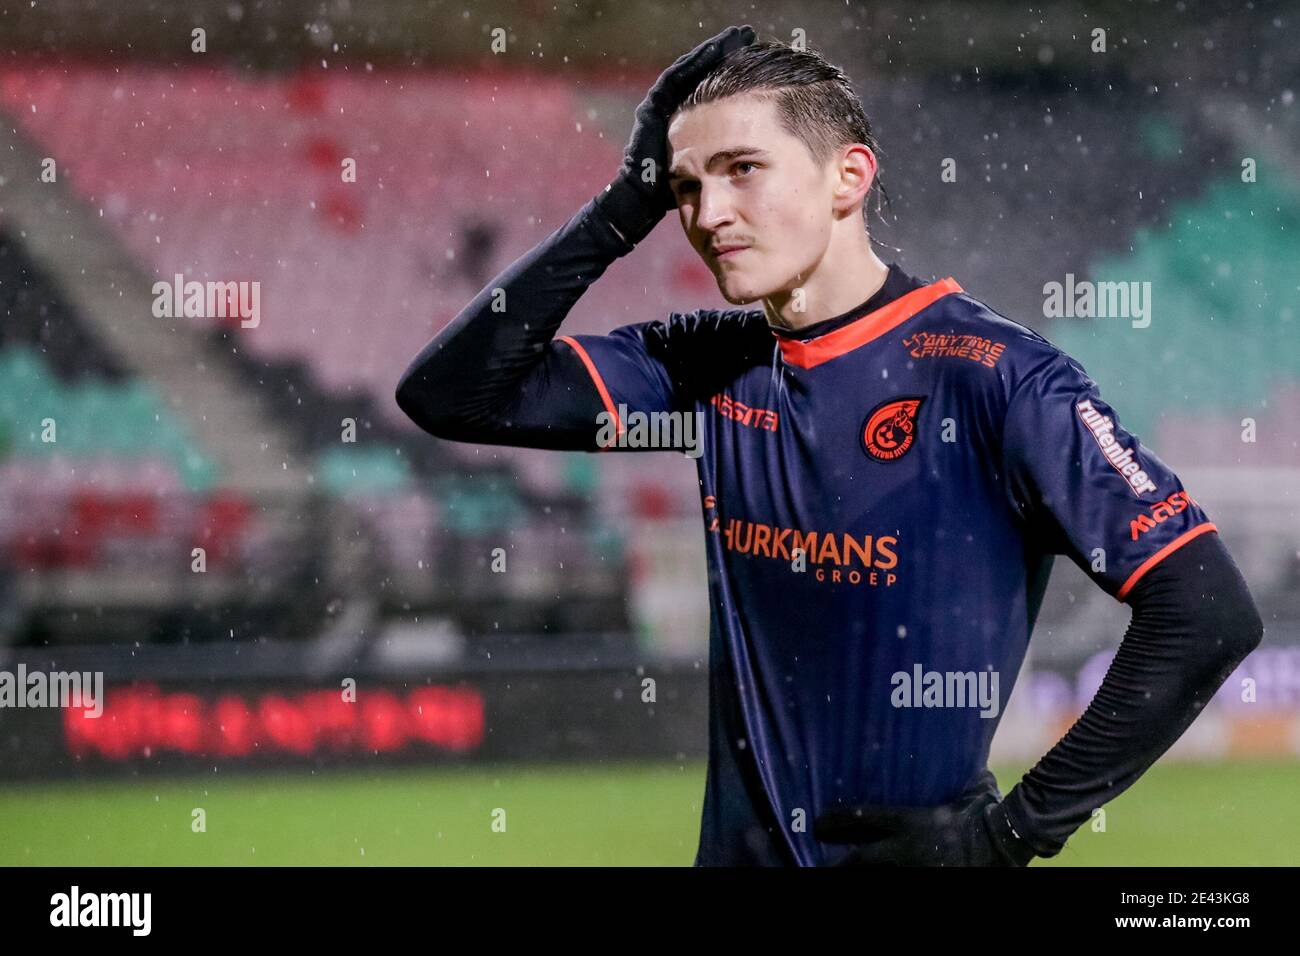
[232,521]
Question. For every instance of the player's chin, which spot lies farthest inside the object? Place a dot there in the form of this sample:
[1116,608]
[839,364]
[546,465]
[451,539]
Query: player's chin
[738,299]
[738,294]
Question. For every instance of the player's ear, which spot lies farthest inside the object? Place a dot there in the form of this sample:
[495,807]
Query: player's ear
[855,168]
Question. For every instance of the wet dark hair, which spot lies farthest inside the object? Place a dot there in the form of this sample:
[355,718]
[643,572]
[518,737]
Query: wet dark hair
[814,99]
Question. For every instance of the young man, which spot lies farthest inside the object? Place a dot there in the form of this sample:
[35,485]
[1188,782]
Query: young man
[888,468]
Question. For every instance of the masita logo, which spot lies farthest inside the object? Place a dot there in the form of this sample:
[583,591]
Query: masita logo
[1161,511]
[890,428]
[728,407]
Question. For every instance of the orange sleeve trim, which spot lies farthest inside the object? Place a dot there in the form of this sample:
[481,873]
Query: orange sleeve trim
[595,377]
[1160,555]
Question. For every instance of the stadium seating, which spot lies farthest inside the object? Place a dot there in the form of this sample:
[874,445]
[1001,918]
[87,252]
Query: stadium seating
[235,175]
[1221,344]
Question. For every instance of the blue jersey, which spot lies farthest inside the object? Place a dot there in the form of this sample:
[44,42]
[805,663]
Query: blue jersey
[882,504]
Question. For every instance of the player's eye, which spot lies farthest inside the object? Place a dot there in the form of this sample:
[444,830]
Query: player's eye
[743,163]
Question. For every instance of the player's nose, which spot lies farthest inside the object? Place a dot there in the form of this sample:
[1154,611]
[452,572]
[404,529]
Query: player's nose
[716,209]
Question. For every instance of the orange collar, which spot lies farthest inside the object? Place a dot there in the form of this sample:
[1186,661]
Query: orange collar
[860,332]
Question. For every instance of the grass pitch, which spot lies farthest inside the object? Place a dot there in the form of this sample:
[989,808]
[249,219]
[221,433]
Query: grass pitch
[585,815]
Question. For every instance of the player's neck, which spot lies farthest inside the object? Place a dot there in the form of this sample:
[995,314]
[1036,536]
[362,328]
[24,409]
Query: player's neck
[840,282]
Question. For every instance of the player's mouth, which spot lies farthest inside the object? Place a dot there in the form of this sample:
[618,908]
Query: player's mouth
[727,252]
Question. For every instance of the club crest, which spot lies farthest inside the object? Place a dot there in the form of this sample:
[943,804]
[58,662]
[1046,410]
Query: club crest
[890,428]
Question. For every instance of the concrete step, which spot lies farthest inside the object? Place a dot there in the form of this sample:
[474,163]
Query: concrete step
[114,294]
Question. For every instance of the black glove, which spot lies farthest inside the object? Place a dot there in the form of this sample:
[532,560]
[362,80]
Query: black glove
[974,832]
[639,196]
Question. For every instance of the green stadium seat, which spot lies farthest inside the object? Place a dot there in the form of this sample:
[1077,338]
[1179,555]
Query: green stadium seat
[350,469]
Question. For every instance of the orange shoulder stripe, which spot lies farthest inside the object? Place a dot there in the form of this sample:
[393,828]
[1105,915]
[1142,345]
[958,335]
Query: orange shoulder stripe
[595,377]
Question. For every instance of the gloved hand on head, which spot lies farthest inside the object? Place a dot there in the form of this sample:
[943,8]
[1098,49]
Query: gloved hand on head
[639,196]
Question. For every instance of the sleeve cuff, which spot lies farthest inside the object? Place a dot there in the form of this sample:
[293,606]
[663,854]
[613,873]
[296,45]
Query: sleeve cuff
[623,212]
[1151,562]
[1011,846]
[1019,828]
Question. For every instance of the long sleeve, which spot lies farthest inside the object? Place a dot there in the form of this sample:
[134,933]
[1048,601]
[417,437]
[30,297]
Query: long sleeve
[1193,622]
[496,374]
